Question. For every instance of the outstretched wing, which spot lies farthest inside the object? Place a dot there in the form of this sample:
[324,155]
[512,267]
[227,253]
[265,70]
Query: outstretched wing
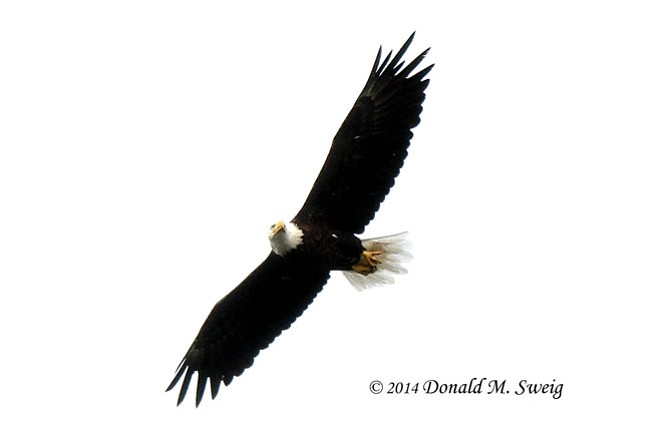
[246,321]
[370,147]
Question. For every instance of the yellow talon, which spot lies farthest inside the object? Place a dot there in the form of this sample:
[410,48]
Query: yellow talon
[368,262]
[371,257]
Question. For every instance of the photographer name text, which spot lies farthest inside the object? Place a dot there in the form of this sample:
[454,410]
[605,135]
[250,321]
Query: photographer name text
[476,386]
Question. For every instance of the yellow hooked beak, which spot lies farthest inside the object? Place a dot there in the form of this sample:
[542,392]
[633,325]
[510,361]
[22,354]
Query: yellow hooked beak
[277,228]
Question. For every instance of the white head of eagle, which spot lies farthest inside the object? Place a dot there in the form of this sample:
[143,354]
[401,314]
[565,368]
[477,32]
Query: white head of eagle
[284,237]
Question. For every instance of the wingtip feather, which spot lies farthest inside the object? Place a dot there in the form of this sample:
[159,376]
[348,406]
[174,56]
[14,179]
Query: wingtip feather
[401,52]
[200,390]
[215,384]
[184,386]
[375,65]
[178,374]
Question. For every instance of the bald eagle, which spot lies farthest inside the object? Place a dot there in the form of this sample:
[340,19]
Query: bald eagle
[365,157]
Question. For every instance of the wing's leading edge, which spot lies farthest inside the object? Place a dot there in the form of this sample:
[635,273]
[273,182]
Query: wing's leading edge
[246,321]
[370,147]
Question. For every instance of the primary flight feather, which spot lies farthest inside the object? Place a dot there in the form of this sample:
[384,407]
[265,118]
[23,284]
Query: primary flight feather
[366,156]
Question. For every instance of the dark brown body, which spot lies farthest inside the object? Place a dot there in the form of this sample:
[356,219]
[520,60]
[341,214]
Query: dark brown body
[326,248]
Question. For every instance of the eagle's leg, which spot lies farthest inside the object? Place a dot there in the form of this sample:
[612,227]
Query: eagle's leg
[367,263]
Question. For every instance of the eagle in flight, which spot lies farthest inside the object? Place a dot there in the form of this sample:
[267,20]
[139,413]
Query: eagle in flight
[365,157]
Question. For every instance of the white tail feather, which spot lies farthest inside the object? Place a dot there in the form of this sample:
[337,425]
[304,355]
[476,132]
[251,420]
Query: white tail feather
[395,251]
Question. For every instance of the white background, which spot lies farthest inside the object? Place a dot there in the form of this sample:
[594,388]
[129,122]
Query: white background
[148,146]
